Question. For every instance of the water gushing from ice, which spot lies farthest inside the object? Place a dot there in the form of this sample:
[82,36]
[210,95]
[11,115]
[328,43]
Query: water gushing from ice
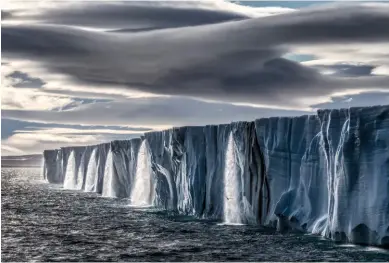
[108,190]
[183,189]
[91,174]
[338,176]
[232,213]
[142,193]
[70,176]
[81,172]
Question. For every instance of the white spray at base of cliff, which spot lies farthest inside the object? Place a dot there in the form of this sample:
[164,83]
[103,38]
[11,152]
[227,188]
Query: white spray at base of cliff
[81,172]
[70,176]
[91,174]
[326,173]
[232,213]
[142,193]
[108,190]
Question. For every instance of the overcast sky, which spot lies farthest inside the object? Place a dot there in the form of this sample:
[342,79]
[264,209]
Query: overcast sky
[79,73]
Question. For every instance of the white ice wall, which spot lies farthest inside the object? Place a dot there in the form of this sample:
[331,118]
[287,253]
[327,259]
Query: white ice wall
[356,144]
[325,174]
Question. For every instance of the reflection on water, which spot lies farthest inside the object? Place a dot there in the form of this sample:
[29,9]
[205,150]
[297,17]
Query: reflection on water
[43,222]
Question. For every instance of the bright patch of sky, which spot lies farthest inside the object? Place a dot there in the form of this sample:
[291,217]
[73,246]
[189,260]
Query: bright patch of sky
[299,57]
[288,4]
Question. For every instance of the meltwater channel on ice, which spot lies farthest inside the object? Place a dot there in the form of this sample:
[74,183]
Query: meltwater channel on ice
[325,174]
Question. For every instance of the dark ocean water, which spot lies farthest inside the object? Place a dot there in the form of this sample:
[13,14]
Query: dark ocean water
[42,222]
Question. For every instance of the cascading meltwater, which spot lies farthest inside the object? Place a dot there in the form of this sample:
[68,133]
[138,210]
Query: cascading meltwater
[108,187]
[71,173]
[142,193]
[232,203]
[91,175]
[324,174]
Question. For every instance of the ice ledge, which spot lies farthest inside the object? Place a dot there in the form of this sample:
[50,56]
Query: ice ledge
[326,174]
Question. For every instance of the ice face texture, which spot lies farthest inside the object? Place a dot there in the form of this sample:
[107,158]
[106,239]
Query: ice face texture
[52,166]
[325,174]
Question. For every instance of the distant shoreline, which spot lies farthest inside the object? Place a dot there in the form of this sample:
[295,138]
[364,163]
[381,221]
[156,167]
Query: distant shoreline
[22,161]
[20,166]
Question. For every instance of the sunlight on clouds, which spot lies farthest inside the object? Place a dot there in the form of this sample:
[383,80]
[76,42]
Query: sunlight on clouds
[356,92]
[9,150]
[381,70]
[36,7]
[31,100]
[59,86]
[338,53]
[202,72]
[248,10]
[264,106]
[197,61]
[68,131]
[23,8]
[26,98]
[35,141]
[357,54]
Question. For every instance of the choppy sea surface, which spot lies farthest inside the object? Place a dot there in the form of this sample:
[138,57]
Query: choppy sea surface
[43,222]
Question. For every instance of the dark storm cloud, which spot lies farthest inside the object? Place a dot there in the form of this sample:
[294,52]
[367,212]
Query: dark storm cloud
[5,15]
[134,15]
[232,61]
[24,80]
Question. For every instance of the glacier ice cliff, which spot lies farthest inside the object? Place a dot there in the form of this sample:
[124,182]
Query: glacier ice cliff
[324,174]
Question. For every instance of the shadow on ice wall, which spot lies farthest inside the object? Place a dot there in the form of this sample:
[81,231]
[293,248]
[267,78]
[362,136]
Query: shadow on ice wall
[325,174]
